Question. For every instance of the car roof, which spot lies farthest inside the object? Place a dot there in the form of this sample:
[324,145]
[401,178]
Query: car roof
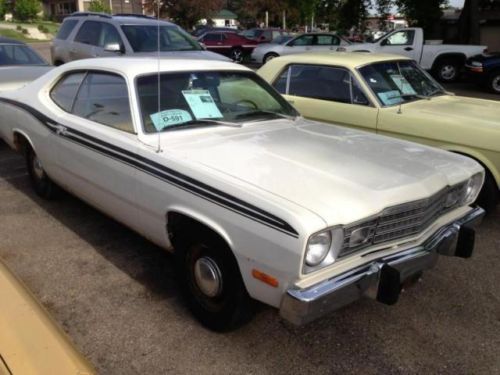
[132,66]
[349,59]
[122,18]
[10,41]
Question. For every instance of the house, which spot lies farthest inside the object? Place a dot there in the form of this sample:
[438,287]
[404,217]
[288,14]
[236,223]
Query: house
[225,18]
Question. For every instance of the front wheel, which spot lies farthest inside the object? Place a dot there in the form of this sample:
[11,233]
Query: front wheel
[494,82]
[42,183]
[211,282]
[237,54]
[489,195]
[447,70]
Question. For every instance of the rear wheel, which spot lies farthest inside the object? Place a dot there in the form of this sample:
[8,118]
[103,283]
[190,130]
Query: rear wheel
[211,281]
[236,54]
[270,56]
[494,82]
[447,70]
[42,184]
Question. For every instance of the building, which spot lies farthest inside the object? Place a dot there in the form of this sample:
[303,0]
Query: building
[225,18]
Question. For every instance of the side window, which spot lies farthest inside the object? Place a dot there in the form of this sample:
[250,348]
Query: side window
[64,92]
[401,38]
[324,40]
[305,40]
[66,29]
[321,82]
[211,38]
[335,41]
[89,33]
[103,98]
[109,35]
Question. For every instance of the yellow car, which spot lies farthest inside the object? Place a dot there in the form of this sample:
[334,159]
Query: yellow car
[30,341]
[392,95]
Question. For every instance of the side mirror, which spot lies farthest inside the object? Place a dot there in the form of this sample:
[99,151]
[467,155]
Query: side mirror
[202,45]
[113,47]
[384,42]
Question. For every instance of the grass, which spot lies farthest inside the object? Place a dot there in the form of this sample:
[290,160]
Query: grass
[53,27]
[13,34]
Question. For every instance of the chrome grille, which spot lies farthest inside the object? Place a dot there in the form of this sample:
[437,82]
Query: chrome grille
[404,220]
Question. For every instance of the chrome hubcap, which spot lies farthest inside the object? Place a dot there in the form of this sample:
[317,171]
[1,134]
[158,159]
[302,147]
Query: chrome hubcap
[237,55]
[37,167]
[448,72]
[208,276]
[495,84]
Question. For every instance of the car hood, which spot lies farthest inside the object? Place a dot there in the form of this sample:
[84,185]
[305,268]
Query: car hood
[197,55]
[15,77]
[340,174]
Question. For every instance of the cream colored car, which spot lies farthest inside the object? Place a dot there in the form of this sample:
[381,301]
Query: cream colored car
[392,95]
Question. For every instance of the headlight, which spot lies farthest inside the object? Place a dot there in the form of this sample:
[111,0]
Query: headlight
[323,248]
[317,248]
[476,63]
[472,189]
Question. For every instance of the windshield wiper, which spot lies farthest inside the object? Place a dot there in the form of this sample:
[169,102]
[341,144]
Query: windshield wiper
[201,122]
[262,112]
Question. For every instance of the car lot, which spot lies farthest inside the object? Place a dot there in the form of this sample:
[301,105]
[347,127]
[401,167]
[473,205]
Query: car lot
[115,295]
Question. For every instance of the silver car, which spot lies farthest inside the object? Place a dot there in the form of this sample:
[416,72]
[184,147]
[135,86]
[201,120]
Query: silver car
[87,35]
[312,42]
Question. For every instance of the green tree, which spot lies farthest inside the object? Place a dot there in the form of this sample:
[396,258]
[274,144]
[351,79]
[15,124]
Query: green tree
[3,8]
[422,13]
[99,6]
[25,10]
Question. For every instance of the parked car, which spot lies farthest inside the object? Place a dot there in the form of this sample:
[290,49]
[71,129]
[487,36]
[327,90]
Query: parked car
[30,341]
[255,201]
[199,31]
[392,95]
[263,35]
[232,45]
[312,42]
[87,35]
[445,61]
[19,64]
[485,69]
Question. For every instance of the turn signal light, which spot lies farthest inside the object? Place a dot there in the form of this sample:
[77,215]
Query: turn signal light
[265,278]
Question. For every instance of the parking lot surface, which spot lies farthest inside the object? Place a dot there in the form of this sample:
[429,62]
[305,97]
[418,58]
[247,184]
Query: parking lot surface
[114,293]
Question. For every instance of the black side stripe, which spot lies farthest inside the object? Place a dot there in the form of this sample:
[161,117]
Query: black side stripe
[163,173]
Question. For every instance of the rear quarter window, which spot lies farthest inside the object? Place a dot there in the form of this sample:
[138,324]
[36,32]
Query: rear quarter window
[66,29]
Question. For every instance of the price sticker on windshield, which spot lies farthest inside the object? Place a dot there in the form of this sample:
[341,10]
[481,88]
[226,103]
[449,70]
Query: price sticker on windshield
[202,104]
[403,85]
[169,117]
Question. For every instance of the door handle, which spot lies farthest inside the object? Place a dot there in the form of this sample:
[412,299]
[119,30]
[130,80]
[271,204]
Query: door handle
[408,49]
[61,130]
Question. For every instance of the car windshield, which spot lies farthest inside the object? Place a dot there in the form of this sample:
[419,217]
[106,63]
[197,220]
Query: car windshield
[396,82]
[144,38]
[16,54]
[207,98]
[282,39]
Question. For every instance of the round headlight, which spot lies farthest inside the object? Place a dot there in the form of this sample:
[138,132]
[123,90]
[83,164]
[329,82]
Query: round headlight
[472,188]
[318,247]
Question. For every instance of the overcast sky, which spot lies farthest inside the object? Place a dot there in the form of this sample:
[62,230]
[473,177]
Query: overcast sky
[457,3]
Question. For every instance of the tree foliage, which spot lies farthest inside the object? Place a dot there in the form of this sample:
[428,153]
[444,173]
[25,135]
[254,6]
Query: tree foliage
[422,13]
[25,10]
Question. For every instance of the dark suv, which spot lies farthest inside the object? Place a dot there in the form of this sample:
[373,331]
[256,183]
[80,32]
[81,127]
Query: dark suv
[87,35]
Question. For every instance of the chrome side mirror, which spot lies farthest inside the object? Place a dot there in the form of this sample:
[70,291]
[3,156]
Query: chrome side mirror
[113,47]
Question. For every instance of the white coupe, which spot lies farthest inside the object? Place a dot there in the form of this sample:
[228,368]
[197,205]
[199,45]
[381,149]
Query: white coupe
[207,160]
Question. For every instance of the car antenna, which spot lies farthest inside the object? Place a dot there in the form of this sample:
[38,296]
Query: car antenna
[158,148]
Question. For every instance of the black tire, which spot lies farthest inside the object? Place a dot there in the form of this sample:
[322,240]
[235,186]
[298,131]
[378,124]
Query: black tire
[494,82]
[270,56]
[228,306]
[236,54]
[42,184]
[489,196]
[447,70]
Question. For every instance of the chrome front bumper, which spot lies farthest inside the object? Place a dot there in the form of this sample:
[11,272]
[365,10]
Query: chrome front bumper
[382,278]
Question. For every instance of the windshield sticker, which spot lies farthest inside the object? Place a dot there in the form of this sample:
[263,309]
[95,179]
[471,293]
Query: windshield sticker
[164,119]
[202,104]
[403,85]
[390,97]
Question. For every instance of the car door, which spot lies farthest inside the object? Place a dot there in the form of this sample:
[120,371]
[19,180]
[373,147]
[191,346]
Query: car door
[86,41]
[327,94]
[95,136]
[300,44]
[401,43]
[213,42]
[325,43]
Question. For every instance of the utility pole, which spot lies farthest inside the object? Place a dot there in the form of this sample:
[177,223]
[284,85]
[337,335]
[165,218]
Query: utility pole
[284,20]
[267,19]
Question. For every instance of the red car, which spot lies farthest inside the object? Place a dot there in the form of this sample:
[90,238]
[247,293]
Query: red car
[230,44]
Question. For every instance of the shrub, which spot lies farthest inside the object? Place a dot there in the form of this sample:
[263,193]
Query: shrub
[98,6]
[25,10]
[25,31]
[19,27]
[43,29]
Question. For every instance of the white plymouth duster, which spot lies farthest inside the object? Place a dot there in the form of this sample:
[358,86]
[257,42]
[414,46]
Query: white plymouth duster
[207,160]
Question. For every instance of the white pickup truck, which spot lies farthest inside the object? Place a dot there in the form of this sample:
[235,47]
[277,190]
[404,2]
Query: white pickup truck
[443,60]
